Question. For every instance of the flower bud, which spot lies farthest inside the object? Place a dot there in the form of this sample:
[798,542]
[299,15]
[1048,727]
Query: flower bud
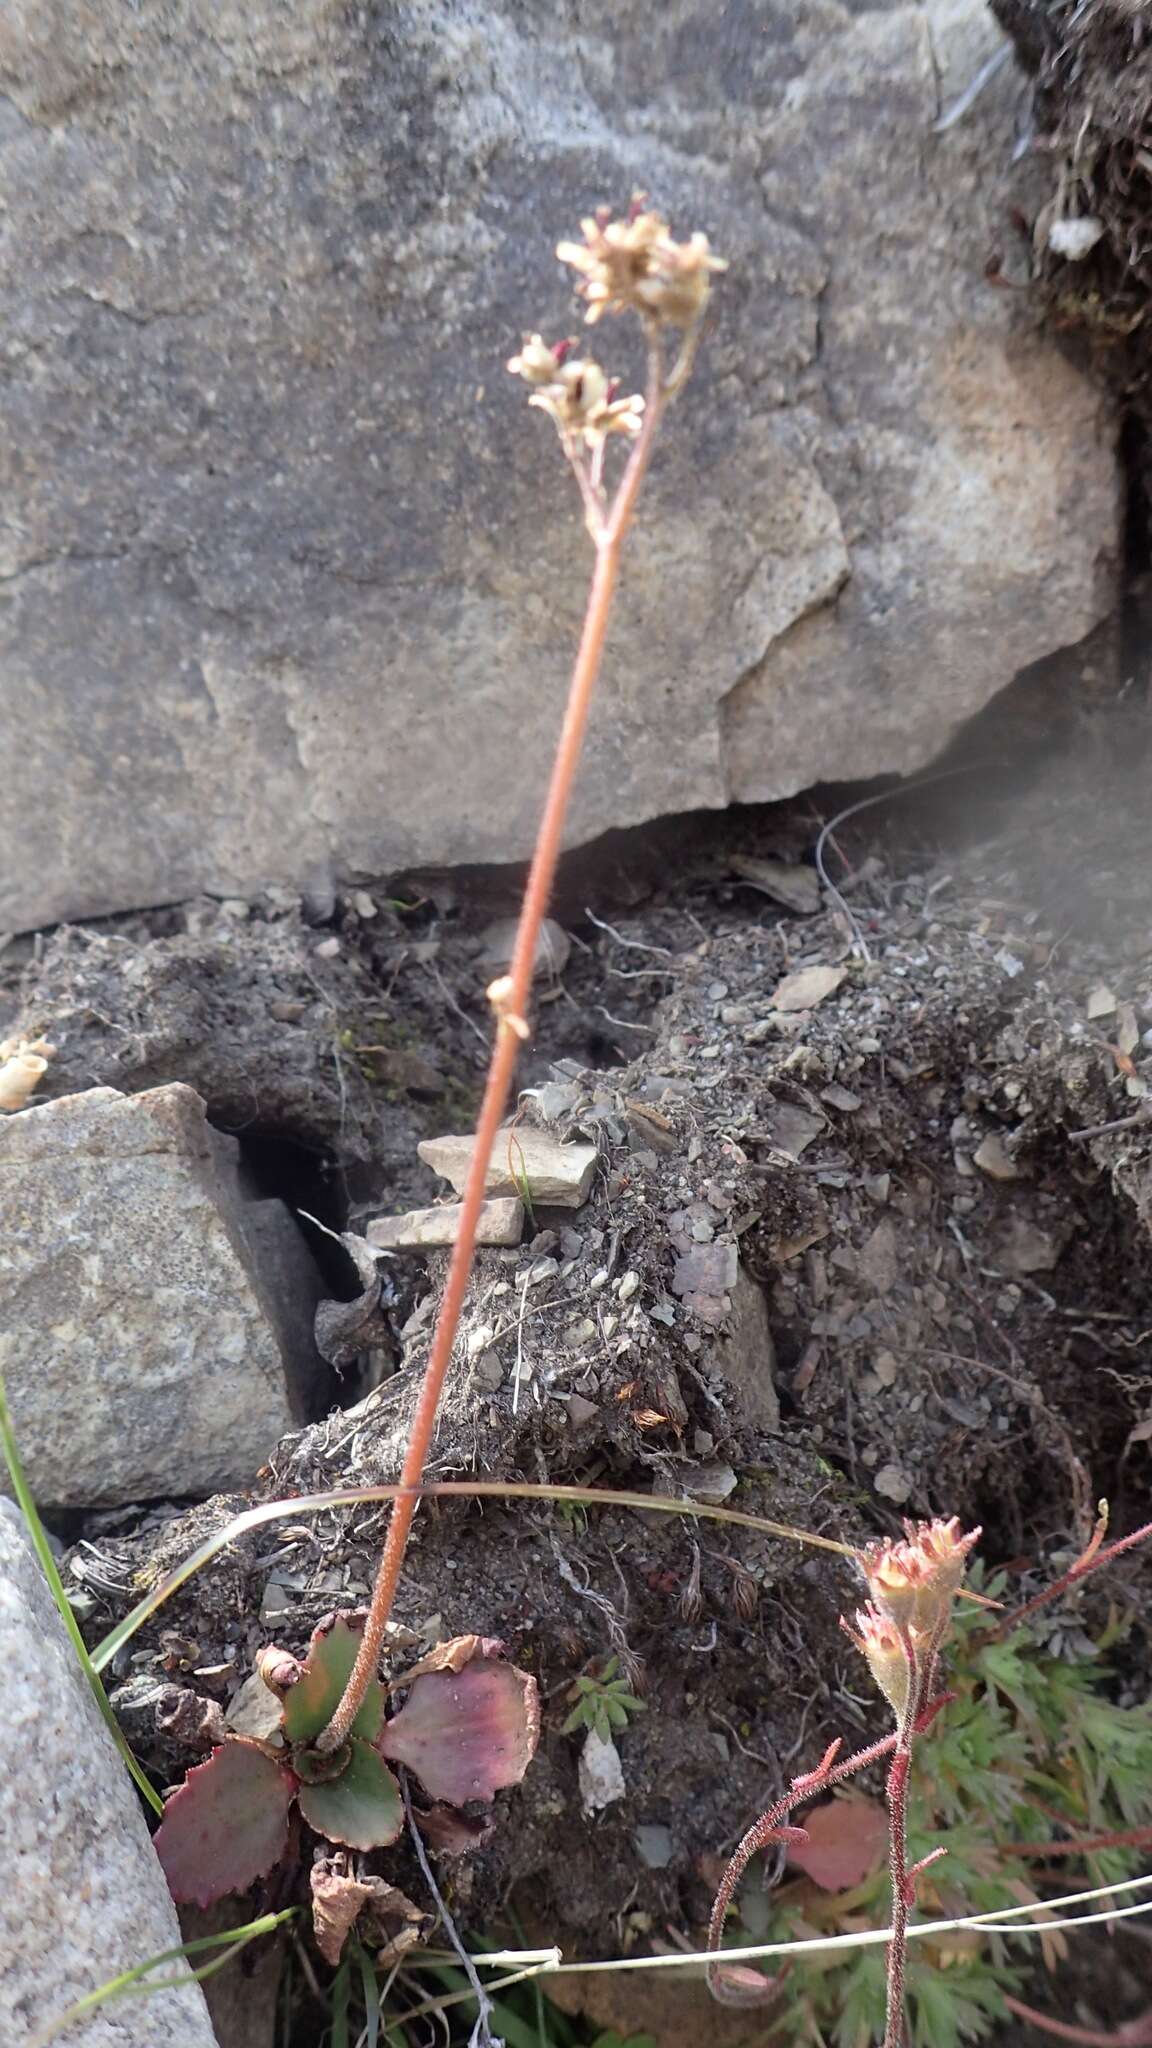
[878,1639]
[914,1581]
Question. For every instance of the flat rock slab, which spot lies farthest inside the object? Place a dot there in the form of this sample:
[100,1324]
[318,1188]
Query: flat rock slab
[155,1318]
[83,1896]
[523,1161]
[282,599]
[501,1221]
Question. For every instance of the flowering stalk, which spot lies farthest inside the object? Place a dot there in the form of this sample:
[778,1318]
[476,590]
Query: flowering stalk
[900,1631]
[630,265]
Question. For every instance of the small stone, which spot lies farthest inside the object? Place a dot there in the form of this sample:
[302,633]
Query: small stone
[522,1159]
[706,1269]
[1101,1001]
[840,1098]
[797,888]
[257,1711]
[1075,238]
[277,1601]
[501,1221]
[328,949]
[879,1259]
[654,1845]
[489,1371]
[628,1286]
[580,1412]
[993,1158]
[807,987]
[711,1484]
[600,1774]
[893,1482]
[791,1129]
[886,1366]
[541,1270]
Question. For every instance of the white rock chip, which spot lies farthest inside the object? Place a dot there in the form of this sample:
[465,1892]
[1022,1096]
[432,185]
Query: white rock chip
[557,1176]
[83,1896]
[600,1774]
[501,1222]
[155,1318]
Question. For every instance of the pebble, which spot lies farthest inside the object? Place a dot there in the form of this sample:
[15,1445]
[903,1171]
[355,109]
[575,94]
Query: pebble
[992,1157]
[893,1483]
[654,1845]
[628,1285]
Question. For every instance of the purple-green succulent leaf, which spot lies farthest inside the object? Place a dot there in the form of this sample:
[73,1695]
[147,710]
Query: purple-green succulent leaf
[325,1672]
[362,1808]
[466,1733]
[226,1824]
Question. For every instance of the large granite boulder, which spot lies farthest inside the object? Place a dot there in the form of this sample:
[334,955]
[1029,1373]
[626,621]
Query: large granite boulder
[290,580]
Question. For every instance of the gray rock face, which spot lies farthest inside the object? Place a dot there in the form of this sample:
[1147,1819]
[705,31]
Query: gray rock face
[155,1321]
[83,1896]
[289,579]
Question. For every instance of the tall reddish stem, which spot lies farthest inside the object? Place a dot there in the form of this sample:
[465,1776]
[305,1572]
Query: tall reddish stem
[513,1009]
[1092,1561]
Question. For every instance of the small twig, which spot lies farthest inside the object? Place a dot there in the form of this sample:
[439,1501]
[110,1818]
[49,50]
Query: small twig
[481,2035]
[866,803]
[633,945]
[1121,1123]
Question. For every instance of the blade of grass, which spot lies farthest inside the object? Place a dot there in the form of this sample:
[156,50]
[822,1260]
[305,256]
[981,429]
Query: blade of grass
[371,2033]
[340,1992]
[467,1489]
[43,1549]
[131,1984]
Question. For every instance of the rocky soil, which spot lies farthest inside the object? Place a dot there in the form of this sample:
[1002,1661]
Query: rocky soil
[867,1236]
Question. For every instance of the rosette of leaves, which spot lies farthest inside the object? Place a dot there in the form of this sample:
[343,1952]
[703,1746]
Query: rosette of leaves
[468,1726]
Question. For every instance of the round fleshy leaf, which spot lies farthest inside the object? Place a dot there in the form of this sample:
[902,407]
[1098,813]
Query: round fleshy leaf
[466,1733]
[317,1693]
[227,1824]
[361,1808]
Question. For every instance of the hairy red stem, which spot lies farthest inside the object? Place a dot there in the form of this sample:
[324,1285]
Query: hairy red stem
[1135,2033]
[1081,1845]
[513,1009]
[1092,1561]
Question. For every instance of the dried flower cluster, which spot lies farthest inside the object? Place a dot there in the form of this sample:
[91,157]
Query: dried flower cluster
[634,265]
[575,391]
[912,1584]
[23,1063]
[631,265]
